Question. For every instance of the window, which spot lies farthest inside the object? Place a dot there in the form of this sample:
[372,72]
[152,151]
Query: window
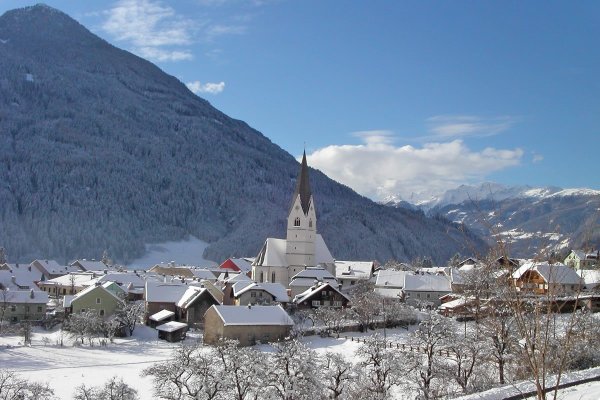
[39,309]
[297,221]
[102,313]
[337,303]
[259,294]
[316,303]
[253,294]
[13,308]
[428,296]
[98,301]
[83,310]
[310,223]
[272,277]
[26,309]
[262,277]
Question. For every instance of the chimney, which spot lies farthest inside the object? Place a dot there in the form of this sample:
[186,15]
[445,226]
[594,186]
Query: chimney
[13,279]
[249,306]
[29,268]
[31,294]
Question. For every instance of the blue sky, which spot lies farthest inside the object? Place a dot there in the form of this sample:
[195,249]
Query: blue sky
[389,97]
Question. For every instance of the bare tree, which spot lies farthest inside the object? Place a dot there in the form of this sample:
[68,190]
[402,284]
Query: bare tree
[12,387]
[113,389]
[380,369]
[243,367]
[331,317]
[465,354]
[129,315]
[338,377]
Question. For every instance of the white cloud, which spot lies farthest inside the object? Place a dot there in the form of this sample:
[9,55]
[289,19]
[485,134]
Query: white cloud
[537,158]
[456,126]
[212,88]
[377,168]
[154,30]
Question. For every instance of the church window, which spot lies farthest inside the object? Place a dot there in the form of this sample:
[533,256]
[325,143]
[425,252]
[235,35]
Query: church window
[297,221]
[262,277]
[310,223]
[272,276]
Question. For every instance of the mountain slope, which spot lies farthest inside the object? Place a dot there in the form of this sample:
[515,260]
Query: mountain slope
[100,149]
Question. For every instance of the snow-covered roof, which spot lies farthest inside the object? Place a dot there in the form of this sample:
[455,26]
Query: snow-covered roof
[461,301]
[253,315]
[124,279]
[277,290]
[20,276]
[90,265]
[353,269]
[171,326]
[191,294]
[308,293]
[161,315]
[591,277]
[306,282]
[273,253]
[243,264]
[551,273]
[54,268]
[103,286]
[313,273]
[390,278]
[25,296]
[236,278]
[203,273]
[157,292]
[67,300]
[426,283]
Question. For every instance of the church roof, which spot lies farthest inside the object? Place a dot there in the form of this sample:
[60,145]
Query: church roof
[303,186]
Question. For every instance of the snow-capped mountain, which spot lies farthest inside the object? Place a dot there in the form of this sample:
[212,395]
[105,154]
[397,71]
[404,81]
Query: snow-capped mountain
[531,220]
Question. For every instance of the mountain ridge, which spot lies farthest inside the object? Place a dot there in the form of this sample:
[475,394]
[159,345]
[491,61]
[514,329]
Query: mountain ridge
[100,149]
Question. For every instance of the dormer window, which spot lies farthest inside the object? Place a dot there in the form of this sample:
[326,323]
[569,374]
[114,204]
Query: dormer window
[297,221]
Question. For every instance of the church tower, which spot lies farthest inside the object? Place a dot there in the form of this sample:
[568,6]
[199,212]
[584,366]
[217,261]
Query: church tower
[301,225]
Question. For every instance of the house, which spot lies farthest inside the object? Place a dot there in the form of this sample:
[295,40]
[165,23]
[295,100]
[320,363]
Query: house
[70,284]
[544,278]
[243,293]
[22,305]
[172,331]
[307,278]
[247,325]
[51,269]
[241,265]
[349,273]
[162,296]
[99,297]
[171,269]
[193,304]
[425,290]
[19,276]
[90,265]
[581,259]
[390,282]
[203,274]
[321,295]
[131,282]
[280,259]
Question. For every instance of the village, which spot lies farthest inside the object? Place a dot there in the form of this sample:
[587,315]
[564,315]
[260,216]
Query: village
[293,287]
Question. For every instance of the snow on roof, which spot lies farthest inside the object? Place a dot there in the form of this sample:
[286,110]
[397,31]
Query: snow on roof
[253,315]
[161,315]
[241,263]
[191,294]
[25,277]
[277,290]
[306,282]
[103,286]
[237,278]
[273,253]
[91,265]
[308,293]
[322,253]
[157,292]
[454,303]
[551,273]
[314,273]
[75,279]
[353,269]
[124,279]
[427,283]
[67,300]
[26,296]
[591,277]
[203,273]
[390,278]
[171,326]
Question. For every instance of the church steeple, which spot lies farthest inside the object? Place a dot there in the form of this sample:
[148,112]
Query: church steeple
[303,186]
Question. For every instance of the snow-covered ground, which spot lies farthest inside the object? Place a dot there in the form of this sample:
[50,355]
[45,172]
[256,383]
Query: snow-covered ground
[188,252]
[66,368]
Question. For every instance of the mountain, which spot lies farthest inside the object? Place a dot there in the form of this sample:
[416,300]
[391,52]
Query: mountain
[531,220]
[100,149]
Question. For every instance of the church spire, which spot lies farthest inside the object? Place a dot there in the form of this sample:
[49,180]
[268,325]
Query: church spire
[303,186]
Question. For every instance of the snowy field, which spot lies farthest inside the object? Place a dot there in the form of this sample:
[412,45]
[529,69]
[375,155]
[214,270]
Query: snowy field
[66,368]
[188,252]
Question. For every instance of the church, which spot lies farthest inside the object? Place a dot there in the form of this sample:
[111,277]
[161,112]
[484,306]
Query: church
[280,259]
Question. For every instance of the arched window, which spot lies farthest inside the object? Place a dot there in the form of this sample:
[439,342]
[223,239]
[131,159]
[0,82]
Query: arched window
[297,221]
[310,223]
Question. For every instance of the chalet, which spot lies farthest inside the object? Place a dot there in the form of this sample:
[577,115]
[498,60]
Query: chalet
[99,297]
[544,278]
[321,295]
[193,304]
[246,324]
[243,293]
[162,296]
[23,305]
[425,290]
[580,259]
[349,273]
[307,278]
